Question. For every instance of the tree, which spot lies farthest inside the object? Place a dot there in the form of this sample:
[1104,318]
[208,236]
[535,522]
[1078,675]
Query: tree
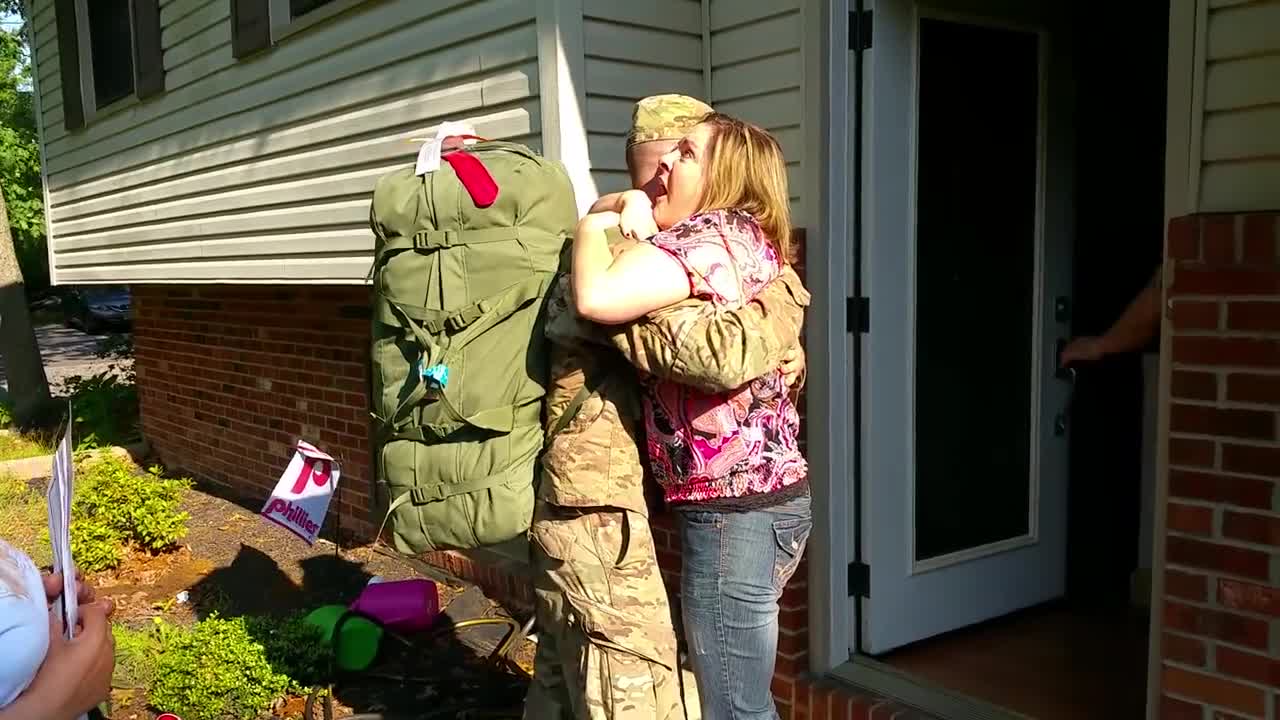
[19,178]
[24,368]
[20,161]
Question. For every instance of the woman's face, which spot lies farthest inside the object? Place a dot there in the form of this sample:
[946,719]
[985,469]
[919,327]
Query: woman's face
[680,178]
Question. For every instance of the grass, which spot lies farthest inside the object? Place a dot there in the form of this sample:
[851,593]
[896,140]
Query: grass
[25,519]
[15,446]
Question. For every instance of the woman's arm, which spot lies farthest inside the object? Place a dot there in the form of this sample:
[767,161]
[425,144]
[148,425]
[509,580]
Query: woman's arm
[611,291]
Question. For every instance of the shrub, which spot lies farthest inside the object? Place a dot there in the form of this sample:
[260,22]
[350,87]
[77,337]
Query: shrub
[293,648]
[106,410]
[137,652]
[115,506]
[215,671]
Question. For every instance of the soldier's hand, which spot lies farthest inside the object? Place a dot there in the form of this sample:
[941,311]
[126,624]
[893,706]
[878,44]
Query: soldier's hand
[792,365]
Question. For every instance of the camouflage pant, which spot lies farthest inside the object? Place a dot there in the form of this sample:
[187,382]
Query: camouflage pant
[606,646]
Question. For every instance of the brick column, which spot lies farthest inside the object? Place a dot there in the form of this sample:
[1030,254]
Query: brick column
[1221,632]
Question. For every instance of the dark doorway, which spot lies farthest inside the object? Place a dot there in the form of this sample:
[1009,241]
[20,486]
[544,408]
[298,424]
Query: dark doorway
[1120,115]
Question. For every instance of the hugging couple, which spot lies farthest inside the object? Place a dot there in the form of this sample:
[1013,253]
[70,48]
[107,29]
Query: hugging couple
[685,278]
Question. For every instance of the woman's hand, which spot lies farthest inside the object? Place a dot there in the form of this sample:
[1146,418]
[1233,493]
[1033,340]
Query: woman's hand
[53,588]
[76,673]
[636,215]
[598,222]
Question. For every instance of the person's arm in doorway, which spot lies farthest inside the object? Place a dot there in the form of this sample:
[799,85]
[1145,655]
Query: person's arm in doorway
[1135,327]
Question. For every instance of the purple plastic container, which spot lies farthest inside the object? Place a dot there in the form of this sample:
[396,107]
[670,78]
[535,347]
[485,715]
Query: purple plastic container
[403,606]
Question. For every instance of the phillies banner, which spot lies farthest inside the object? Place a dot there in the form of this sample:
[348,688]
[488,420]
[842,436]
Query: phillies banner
[301,498]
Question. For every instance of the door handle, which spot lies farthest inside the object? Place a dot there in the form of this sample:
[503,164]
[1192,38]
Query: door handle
[1062,373]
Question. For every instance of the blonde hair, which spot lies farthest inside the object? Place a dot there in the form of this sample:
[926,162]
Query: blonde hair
[747,171]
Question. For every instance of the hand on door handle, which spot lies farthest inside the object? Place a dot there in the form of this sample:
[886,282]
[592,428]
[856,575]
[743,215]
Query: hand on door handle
[1063,372]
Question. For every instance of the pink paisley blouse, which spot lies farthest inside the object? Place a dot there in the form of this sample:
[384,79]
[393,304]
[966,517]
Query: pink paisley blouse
[710,446]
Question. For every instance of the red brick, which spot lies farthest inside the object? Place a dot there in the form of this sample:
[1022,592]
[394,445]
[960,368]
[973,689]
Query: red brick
[1260,239]
[1247,666]
[1201,420]
[1255,316]
[1229,559]
[1216,624]
[1191,452]
[1242,491]
[1184,650]
[1193,385]
[1193,519]
[1249,527]
[1187,586]
[1250,388]
[1213,281]
[1235,595]
[1216,691]
[1188,315]
[1236,351]
[1184,238]
[1252,459]
[1175,709]
[783,689]
[1220,239]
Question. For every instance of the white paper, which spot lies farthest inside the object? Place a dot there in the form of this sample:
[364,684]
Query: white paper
[429,153]
[301,498]
[59,496]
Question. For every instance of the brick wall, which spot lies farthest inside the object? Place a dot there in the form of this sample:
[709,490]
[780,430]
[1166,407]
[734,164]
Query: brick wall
[231,376]
[1221,635]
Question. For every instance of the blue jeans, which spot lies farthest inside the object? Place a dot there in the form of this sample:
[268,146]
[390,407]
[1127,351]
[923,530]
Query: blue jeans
[735,568]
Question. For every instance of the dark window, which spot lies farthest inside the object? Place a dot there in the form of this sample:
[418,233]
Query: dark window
[298,8]
[110,50]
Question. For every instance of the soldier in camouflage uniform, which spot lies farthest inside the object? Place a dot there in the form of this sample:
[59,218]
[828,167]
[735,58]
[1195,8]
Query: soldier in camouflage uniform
[606,644]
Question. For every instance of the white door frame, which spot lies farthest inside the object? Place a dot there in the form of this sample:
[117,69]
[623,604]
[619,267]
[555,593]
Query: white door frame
[824,47]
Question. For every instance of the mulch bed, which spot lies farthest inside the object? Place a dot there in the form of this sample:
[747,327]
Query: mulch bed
[235,563]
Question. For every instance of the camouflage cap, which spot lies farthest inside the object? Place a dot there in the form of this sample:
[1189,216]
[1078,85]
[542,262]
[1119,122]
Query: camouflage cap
[665,117]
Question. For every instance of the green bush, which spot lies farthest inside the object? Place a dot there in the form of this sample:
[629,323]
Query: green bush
[215,671]
[293,648]
[115,506]
[106,410]
[95,545]
[137,652]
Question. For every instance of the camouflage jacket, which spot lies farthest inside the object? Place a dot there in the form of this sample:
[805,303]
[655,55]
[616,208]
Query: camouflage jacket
[595,459]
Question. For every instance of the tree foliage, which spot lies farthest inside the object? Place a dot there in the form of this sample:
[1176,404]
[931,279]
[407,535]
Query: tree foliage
[20,158]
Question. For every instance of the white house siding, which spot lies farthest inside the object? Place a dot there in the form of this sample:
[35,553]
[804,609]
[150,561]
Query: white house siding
[259,169]
[756,74]
[1240,140]
[633,49]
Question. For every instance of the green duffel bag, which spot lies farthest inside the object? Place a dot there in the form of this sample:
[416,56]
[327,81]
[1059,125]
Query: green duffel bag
[460,361]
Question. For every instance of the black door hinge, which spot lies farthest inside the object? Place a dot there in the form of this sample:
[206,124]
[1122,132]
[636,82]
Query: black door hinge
[857,314]
[859,580]
[859,30]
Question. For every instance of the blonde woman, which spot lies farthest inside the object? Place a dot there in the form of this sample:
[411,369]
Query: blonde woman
[729,462]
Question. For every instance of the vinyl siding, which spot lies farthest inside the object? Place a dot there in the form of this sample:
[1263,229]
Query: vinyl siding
[633,50]
[1240,140]
[260,169]
[756,74]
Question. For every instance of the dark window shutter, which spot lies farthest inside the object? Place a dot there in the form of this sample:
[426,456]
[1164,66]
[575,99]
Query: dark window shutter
[148,57]
[69,60]
[250,27]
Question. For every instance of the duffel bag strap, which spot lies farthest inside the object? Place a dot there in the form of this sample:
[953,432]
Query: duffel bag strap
[443,415]
[436,493]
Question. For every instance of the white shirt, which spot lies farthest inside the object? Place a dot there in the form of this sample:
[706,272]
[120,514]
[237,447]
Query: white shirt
[24,622]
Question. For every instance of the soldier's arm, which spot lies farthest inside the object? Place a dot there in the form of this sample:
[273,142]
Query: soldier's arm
[713,349]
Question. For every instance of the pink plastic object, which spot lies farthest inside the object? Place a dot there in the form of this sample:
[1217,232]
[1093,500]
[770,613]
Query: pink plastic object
[404,606]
